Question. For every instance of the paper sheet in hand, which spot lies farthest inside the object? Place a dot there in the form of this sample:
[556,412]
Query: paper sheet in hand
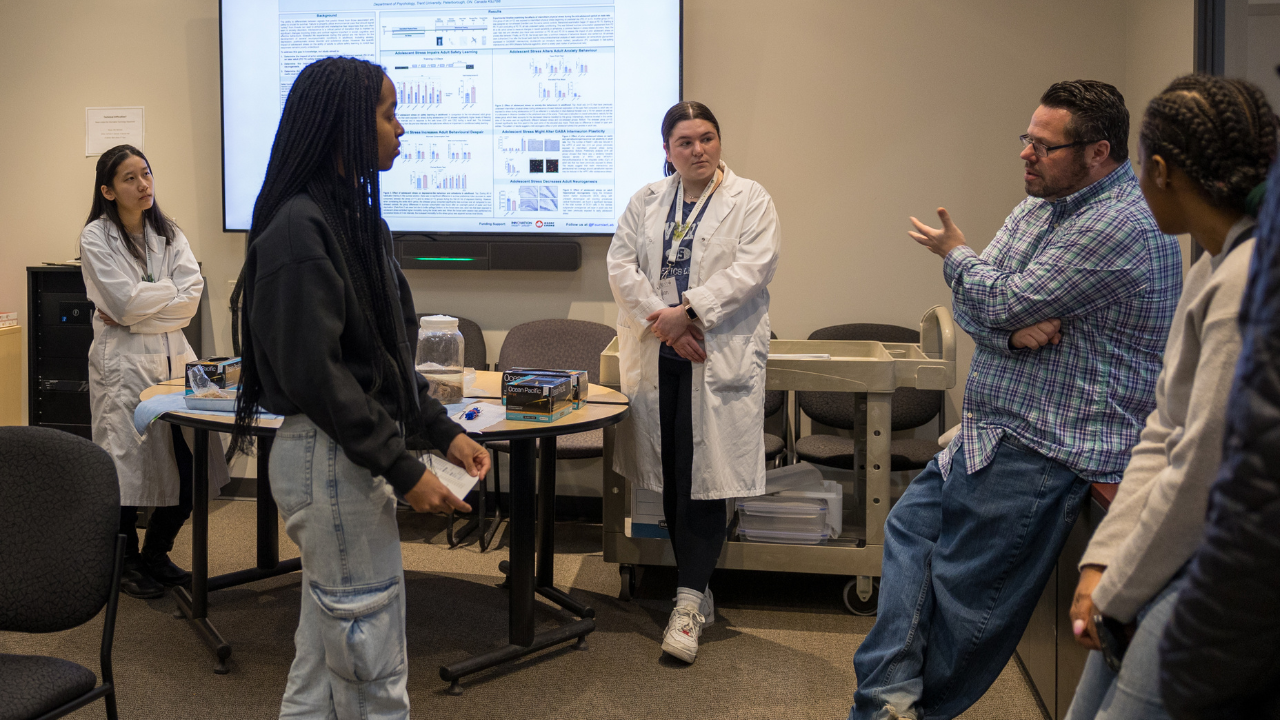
[453,477]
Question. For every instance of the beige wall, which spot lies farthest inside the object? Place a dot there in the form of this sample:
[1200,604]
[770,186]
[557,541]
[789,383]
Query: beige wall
[853,114]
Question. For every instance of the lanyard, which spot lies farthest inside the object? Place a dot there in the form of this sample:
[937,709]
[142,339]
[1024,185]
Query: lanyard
[683,223]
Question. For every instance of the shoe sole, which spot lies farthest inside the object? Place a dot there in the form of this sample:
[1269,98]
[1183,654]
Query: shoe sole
[679,653]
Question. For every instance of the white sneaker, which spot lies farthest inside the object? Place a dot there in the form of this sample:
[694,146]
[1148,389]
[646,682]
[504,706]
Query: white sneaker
[707,609]
[683,630]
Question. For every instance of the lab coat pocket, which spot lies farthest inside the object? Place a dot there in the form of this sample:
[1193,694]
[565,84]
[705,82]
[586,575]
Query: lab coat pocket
[291,465]
[718,255]
[363,629]
[126,377]
[732,366]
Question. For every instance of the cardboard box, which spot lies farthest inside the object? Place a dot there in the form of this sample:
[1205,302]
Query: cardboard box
[537,398]
[222,372]
[579,378]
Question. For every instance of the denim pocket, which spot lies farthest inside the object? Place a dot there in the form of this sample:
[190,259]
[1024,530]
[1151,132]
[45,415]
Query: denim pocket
[291,464]
[363,629]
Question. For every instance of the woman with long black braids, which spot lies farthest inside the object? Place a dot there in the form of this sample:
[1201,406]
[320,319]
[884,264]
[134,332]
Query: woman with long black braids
[325,324]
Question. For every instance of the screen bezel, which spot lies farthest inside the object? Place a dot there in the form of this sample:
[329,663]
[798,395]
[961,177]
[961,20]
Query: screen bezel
[459,234]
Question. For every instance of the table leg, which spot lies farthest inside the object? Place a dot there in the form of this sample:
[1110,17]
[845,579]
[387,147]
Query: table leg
[194,605]
[522,574]
[546,511]
[547,533]
[268,528]
[523,478]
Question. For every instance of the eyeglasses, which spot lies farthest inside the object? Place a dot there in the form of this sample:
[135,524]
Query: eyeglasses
[1042,151]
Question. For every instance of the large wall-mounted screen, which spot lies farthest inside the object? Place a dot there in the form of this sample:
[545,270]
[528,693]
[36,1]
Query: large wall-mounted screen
[521,116]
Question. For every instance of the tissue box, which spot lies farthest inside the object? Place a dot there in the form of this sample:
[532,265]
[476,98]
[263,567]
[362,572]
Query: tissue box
[222,372]
[577,377]
[537,398]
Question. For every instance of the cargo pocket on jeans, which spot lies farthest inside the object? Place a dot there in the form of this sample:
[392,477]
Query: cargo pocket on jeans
[363,630]
[291,465]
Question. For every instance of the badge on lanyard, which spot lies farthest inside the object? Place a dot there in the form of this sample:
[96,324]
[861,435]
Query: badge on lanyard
[667,289]
[667,286]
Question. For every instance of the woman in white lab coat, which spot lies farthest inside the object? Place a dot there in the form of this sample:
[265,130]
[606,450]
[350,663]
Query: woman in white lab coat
[140,273]
[689,268]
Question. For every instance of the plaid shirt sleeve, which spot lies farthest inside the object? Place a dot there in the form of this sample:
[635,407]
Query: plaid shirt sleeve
[997,341]
[1076,273]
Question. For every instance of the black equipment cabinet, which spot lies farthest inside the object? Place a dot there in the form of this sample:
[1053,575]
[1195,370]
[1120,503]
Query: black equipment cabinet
[60,320]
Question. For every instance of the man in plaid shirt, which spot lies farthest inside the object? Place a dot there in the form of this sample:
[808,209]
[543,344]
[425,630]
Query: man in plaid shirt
[1070,306]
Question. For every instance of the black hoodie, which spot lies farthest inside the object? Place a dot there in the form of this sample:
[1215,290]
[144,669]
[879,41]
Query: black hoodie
[315,352]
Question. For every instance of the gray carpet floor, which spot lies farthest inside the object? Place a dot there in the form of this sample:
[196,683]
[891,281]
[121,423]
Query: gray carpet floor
[782,645]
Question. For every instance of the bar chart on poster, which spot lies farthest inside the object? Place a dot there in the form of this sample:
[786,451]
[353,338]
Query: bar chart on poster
[520,116]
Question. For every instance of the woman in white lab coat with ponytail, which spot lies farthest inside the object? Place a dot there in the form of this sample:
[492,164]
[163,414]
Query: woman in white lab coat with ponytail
[689,268]
[139,271]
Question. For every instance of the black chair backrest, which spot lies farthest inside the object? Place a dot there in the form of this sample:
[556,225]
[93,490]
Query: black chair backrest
[911,407]
[59,518]
[558,345]
[474,352]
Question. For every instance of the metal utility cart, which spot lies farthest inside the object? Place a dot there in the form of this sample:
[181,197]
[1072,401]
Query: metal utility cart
[873,368]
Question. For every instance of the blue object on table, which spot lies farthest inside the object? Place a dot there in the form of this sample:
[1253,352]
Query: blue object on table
[148,410]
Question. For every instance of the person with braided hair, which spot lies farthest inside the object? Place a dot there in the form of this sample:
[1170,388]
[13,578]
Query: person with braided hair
[1206,144]
[325,323]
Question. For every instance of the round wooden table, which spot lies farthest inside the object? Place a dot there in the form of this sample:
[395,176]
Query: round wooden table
[531,501]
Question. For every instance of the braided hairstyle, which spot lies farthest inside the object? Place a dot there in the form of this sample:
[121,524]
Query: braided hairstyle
[327,147]
[1220,132]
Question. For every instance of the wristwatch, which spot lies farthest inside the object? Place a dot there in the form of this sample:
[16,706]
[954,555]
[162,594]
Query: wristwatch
[689,311]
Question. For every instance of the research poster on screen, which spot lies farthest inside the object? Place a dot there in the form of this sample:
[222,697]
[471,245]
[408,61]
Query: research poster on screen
[519,115]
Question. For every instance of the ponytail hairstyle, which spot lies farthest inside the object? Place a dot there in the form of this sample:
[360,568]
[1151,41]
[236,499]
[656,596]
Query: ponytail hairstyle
[681,111]
[327,147]
[105,174]
[1220,132]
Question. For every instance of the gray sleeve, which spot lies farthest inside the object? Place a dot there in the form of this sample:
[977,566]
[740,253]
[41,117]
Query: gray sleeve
[1170,523]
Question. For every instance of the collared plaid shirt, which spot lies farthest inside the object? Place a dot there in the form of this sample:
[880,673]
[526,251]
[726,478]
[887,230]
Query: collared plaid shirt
[1097,261]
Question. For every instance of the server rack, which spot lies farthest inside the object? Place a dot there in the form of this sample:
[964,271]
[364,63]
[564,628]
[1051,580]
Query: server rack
[60,321]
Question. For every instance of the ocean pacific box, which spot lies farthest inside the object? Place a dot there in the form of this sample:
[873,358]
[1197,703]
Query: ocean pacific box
[578,377]
[537,398]
[222,372]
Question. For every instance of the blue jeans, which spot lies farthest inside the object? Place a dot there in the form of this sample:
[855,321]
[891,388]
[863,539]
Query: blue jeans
[351,659]
[1135,693]
[965,561]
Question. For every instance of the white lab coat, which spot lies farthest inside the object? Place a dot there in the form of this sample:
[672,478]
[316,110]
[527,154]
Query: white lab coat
[735,253]
[146,349]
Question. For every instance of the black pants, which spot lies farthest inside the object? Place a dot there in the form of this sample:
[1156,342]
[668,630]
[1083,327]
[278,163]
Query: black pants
[696,526]
[165,522]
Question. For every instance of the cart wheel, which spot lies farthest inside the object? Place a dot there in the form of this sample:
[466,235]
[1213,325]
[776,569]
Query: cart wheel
[627,573]
[853,599]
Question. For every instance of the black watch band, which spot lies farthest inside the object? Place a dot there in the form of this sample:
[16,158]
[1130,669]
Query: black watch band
[690,312]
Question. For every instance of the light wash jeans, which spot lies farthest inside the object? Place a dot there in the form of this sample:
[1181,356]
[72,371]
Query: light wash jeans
[964,562]
[1134,694]
[351,659]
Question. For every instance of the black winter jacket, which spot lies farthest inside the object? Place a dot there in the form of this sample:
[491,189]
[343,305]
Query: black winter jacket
[1220,655]
[315,353]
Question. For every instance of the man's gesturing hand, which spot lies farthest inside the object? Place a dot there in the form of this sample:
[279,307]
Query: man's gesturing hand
[939,242]
[1046,332]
